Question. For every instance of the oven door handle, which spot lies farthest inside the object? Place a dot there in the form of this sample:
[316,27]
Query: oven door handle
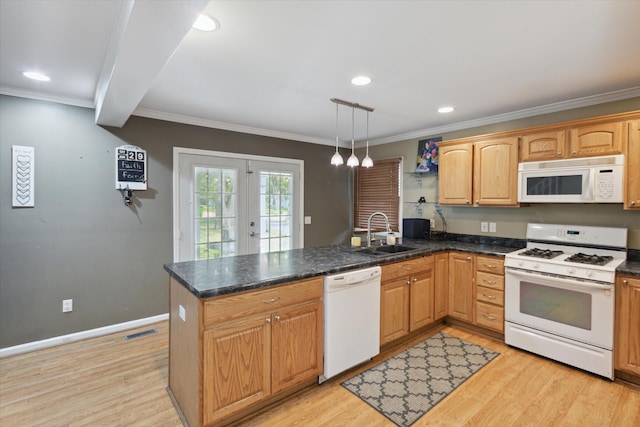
[560,280]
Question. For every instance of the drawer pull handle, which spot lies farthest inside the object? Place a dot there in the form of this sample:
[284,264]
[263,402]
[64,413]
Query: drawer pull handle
[269,301]
[489,296]
[625,282]
[493,282]
[489,317]
[489,265]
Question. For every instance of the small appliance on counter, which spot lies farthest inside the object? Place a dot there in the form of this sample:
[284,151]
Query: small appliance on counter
[416,228]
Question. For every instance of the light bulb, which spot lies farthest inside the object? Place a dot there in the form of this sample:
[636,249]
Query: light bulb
[367,162]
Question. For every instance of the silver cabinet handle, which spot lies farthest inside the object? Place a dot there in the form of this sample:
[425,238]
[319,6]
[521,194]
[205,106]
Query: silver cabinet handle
[489,265]
[415,279]
[574,152]
[489,296]
[633,203]
[559,154]
[489,317]
[468,258]
[625,282]
[408,282]
[466,201]
[491,282]
[277,318]
[267,320]
[269,301]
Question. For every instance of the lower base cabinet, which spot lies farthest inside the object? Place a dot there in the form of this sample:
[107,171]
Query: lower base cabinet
[627,329]
[251,347]
[406,297]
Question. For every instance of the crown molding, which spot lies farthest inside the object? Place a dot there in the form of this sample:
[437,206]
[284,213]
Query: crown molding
[85,103]
[519,114]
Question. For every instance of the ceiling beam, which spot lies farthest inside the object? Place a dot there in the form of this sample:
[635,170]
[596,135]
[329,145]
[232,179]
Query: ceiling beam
[146,36]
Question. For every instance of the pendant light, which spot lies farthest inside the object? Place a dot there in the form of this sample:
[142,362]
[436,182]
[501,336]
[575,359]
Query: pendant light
[353,160]
[337,158]
[367,162]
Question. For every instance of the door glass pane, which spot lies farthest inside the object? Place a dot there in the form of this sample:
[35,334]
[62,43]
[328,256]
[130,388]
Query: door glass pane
[564,306]
[276,213]
[215,222]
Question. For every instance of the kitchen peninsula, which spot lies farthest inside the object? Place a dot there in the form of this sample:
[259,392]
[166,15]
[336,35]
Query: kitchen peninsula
[260,318]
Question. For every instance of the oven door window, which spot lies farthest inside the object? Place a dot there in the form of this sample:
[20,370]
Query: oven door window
[564,306]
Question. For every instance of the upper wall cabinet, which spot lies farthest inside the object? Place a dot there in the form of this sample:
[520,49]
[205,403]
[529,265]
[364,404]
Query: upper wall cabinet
[543,146]
[591,138]
[632,166]
[455,174]
[482,173]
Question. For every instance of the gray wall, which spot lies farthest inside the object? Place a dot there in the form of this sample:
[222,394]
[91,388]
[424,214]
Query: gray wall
[511,222]
[81,242]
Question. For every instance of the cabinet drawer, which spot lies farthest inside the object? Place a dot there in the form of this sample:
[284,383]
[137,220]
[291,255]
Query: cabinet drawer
[490,264]
[491,296]
[406,268]
[490,316]
[490,280]
[222,309]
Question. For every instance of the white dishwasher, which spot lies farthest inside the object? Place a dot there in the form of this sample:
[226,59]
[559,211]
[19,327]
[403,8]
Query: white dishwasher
[351,319]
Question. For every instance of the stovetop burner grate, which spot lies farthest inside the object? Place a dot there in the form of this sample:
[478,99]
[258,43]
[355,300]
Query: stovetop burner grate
[541,253]
[589,259]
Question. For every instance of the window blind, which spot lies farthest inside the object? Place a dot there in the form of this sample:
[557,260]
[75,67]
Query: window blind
[378,189]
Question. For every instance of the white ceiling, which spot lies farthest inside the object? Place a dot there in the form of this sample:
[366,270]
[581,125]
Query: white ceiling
[273,65]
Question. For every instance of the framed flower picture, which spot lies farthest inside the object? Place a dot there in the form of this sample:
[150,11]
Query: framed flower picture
[428,155]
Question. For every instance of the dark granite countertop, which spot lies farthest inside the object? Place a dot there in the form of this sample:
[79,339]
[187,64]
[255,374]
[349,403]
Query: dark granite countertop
[207,278]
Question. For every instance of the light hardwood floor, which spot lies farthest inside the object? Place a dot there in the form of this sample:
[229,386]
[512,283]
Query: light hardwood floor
[108,381]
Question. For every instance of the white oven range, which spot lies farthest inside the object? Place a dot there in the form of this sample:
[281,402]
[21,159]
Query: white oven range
[560,294]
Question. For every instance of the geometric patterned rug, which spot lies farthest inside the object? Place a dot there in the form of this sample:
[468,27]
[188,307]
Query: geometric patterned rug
[404,387]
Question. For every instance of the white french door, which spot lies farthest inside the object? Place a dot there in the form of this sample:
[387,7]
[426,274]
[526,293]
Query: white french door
[231,204]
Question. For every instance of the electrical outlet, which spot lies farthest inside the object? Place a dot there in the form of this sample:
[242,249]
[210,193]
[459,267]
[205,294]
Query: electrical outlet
[492,227]
[67,305]
[484,226]
[432,223]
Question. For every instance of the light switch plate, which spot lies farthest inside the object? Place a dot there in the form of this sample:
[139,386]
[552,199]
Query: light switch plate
[307,220]
[484,227]
[492,227]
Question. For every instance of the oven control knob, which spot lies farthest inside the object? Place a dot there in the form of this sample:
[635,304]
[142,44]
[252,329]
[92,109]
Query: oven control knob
[536,265]
[520,263]
[572,271]
[590,273]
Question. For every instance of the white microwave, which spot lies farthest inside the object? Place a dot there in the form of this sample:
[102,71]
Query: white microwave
[583,180]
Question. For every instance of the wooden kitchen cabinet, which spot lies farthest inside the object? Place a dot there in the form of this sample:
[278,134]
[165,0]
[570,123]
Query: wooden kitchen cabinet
[596,139]
[495,172]
[455,174]
[441,285]
[461,277]
[406,298]
[230,353]
[632,166]
[479,173]
[549,145]
[489,291]
[627,328]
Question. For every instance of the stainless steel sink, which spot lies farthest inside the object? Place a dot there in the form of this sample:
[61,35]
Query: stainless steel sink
[385,250]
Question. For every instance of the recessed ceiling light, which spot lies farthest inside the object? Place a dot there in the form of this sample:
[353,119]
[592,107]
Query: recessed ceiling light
[445,109]
[361,80]
[206,23]
[36,76]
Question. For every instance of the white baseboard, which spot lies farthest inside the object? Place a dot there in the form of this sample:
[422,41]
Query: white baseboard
[78,336]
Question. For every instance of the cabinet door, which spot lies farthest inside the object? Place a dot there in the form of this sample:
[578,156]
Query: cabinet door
[627,335]
[454,174]
[596,140]
[632,166]
[394,310]
[236,366]
[543,146]
[297,343]
[421,295]
[461,286]
[441,285]
[495,172]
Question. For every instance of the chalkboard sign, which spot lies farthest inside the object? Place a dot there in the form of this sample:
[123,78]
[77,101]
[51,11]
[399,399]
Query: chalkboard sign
[131,168]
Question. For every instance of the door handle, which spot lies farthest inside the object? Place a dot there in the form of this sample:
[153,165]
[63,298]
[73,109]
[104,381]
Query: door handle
[252,234]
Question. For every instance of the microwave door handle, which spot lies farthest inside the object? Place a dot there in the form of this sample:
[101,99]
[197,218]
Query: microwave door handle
[589,191]
[560,280]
